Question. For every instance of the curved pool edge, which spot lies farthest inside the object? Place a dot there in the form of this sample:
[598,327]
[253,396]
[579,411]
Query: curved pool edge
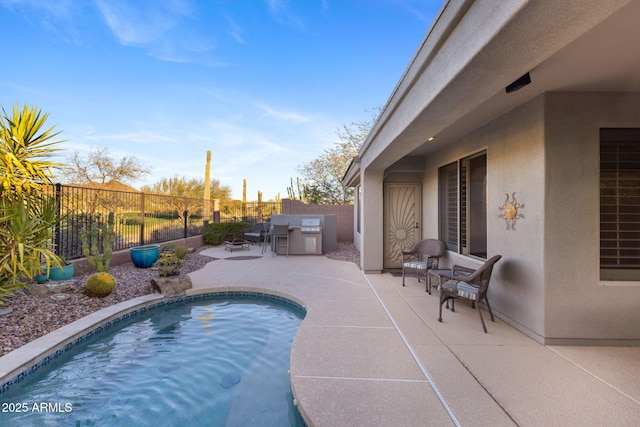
[40,351]
[19,363]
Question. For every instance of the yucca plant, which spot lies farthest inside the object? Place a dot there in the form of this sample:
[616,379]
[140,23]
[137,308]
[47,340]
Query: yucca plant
[25,151]
[27,213]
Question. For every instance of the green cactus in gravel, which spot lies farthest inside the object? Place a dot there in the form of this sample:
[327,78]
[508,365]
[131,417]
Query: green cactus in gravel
[100,258]
[100,285]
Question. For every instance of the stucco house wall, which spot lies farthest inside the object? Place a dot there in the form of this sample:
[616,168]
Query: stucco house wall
[547,152]
[542,143]
[515,163]
[577,303]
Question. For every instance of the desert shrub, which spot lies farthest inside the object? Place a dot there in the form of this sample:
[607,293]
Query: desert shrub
[181,251]
[214,234]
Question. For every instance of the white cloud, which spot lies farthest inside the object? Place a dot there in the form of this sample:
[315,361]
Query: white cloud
[421,9]
[165,29]
[139,23]
[280,12]
[59,8]
[286,116]
[235,30]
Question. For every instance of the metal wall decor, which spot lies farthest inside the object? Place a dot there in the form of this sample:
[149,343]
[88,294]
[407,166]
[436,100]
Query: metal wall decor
[510,211]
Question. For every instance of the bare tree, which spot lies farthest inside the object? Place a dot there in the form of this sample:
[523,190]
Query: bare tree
[99,169]
[322,176]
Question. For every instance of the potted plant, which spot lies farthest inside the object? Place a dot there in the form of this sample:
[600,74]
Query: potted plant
[64,272]
[144,256]
[168,266]
[167,250]
[42,275]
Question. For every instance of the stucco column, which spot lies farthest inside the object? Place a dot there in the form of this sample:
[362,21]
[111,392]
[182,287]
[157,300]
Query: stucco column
[371,250]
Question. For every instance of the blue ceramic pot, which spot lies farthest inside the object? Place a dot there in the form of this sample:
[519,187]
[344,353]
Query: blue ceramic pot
[41,278]
[144,256]
[64,273]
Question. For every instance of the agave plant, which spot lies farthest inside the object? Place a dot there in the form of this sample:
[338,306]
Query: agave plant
[28,213]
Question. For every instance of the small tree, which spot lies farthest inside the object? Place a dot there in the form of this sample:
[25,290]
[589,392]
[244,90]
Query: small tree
[322,176]
[187,194]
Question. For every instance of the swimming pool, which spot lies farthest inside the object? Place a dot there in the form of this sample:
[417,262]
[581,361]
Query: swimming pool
[214,362]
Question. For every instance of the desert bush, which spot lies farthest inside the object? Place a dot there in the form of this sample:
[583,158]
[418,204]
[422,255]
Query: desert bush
[214,234]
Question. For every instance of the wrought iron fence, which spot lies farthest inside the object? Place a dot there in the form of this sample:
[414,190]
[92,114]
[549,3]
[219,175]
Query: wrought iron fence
[251,212]
[141,218]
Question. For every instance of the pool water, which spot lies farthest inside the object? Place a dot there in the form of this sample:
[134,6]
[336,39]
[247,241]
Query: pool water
[204,363]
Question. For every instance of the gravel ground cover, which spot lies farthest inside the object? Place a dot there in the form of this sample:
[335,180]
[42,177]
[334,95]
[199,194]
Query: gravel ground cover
[36,314]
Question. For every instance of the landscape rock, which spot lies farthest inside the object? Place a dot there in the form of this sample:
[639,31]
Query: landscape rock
[67,287]
[38,290]
[172,286]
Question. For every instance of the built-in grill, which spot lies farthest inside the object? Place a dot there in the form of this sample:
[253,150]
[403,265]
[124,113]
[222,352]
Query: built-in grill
[308,238]
[309,234]
[310,225]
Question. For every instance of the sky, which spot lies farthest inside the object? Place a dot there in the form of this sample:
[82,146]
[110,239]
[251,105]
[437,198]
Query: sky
[263,84]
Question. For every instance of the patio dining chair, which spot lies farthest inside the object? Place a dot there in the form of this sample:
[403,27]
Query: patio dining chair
[472,287]
[266,235]
[280,232]
[422,257]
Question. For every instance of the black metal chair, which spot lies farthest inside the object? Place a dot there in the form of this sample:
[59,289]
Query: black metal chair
[422,257]
[472,287]
[255,233]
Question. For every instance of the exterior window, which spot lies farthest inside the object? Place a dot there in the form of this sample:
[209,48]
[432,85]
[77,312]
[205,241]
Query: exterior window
[473,206]
[620,204]
[463,205]
[448,205]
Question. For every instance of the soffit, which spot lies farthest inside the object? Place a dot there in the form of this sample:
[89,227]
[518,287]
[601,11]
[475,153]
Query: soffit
[604,59]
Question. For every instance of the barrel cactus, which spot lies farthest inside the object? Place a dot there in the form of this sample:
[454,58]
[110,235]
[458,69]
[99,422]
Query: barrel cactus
[100,285]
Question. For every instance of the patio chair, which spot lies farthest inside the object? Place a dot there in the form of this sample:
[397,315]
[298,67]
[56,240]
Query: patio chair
[254,234]
[266,234]
[422,257]
[280,232]
[473,287]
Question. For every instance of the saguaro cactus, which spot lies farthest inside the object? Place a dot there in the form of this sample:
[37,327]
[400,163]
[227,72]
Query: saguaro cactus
[207,187]
[244,198]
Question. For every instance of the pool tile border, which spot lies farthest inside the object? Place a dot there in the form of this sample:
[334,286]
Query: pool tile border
[36,361]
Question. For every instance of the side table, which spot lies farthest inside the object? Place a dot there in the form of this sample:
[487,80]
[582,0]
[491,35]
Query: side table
[434,274]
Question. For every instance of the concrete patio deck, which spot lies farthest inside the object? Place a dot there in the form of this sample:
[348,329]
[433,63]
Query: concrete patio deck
[372,353]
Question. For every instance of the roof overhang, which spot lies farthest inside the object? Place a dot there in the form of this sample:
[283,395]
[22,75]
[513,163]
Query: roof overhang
[351,176]
[456,81]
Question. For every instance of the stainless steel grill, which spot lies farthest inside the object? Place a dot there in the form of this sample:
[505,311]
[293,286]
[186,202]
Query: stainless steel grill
[310,225]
